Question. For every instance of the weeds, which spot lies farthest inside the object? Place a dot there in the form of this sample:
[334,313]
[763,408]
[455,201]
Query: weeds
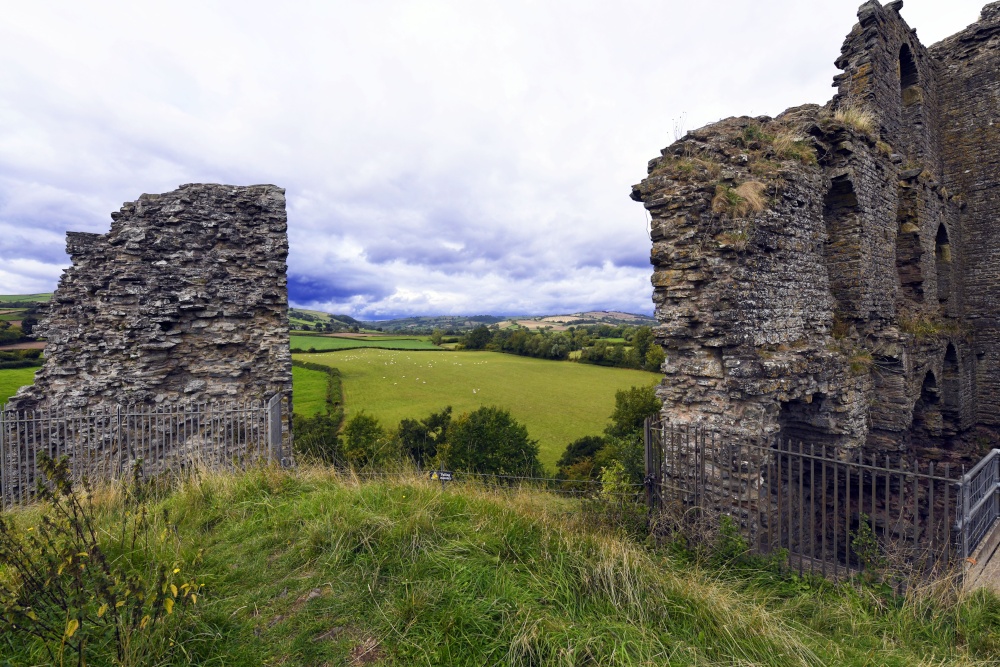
[858,117]
[739,201]
[78,591]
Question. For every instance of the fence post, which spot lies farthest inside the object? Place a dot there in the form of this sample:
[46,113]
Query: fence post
[274,428]
[966,510]
[647,437]
[3,457]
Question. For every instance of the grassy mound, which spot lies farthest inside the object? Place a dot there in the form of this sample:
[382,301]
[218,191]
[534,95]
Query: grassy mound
[312,568]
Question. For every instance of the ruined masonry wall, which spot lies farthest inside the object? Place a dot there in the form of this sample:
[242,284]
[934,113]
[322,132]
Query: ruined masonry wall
[969,85]
[185,299]
[856,302]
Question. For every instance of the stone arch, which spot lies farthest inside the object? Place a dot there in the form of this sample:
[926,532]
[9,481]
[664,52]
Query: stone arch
[909,249]
[909,75]
[943,264]
[927,409]
[841,214]
[951,391]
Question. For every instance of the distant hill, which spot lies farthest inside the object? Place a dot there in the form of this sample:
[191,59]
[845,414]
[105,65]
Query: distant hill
[299,317]
[457,323]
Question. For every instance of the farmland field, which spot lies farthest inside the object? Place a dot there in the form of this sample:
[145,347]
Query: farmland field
[11,379]
[558,401]
[308,391]
[24,298]
[385,342]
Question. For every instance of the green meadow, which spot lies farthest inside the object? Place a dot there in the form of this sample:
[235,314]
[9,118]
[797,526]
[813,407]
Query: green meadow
[308,391]
[11,379]
[558,401]
[25,298]
[384,342]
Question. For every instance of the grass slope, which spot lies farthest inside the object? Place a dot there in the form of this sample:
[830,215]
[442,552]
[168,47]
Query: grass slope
[310,568]
[12,379]
[333,343]
[558,401]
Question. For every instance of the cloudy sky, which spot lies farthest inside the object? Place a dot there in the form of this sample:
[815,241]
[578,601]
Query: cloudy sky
[453,157]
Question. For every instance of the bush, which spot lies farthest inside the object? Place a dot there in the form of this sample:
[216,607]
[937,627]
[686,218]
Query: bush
[490,441]
[420,439]
[78,591]
[366,443]
[316,436]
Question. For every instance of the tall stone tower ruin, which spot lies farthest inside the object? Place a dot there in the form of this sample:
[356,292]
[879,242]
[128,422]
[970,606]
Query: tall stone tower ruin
[833,274]
[185,300]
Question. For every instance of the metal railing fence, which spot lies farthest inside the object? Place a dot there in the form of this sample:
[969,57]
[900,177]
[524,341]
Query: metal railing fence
[833,512]
[980,507]
[106,443]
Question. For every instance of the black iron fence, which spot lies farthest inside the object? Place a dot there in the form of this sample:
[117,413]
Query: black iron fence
[107,443]
[832,512]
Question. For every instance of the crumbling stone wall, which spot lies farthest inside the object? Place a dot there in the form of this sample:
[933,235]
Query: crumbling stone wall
[833,274]
[184,300]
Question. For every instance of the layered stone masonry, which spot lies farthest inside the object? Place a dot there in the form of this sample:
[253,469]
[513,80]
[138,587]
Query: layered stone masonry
[832,275]
[184,300]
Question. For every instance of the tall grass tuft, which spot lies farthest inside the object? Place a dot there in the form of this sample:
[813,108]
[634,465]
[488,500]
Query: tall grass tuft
[857,116]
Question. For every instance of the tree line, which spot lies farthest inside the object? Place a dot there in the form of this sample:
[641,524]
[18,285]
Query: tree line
[605,345]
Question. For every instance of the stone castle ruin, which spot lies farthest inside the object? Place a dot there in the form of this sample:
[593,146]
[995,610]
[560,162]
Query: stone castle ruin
[832,275]
[184,301]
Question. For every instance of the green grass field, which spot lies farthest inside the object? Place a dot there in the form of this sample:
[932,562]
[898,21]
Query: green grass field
[11,379]
[19,298]
[384,342]
[308,391]
[558,401]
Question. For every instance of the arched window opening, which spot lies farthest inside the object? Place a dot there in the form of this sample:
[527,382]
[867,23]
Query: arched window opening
[908,74]
[927,410]
[942,262]
[951,392]
[843,246]
[908,247]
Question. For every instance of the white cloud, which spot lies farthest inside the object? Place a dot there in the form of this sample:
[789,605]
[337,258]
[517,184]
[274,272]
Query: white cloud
[438,156]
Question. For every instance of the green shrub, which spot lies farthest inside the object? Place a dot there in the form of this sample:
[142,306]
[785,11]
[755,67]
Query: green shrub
[490,441]
[78,591]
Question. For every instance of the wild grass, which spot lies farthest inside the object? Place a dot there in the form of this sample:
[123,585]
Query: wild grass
[739,201]
[687,168]
[858,117]
[313,567]
[12,379]
[789,145]
[557,401]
